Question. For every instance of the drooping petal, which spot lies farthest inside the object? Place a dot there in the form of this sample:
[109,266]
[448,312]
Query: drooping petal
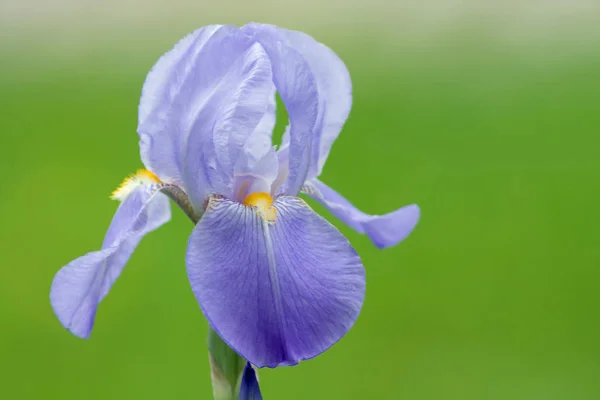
[249,388]
[80,285]
[335,93]
[159,141]
[297,86]
[384,230]
[276,293]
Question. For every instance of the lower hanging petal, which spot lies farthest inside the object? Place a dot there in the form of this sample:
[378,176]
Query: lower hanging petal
[383,230]
[276,291]
[80,285]
[249,388]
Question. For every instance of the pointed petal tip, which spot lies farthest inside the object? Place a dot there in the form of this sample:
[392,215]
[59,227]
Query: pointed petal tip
[383,230]
[73,295]
[80,332]
[250,389]
[390,229]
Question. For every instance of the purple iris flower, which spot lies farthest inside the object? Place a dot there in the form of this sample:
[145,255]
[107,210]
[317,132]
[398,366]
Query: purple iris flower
[276,281]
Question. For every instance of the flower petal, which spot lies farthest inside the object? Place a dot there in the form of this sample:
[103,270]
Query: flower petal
[159,139]
[335,93]
[257,166]
[80,285]
[254,175]
[276,293]
[249,388]
[297,87]
[260,141]
[200,104]
[384,230]
[247,94]
[232,95]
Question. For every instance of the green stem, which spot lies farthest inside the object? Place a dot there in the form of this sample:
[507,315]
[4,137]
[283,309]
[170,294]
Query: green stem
[226,368]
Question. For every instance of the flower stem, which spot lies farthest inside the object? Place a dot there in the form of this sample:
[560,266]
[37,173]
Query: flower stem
[226,368]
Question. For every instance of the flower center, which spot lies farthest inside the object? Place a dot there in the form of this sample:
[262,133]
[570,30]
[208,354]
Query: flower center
[141,177]
[262,202]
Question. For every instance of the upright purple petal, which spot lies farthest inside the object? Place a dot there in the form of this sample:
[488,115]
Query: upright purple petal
[257,165]
[200,103]
[261,139]
[276,293]
[384,230]
[159,141]
[80,285]
[247,97]
[230,94]
[335,93]
[298,89]
[249,388]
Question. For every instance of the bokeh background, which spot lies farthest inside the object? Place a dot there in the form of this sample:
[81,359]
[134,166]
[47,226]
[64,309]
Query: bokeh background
[485,113]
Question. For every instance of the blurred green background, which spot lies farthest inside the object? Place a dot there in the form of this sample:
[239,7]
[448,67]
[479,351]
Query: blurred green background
[495,295]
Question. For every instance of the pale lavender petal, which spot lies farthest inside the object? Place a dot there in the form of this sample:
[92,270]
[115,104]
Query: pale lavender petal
[335,93]
[247,97]
[230,95]
[285,139]
[249,388]
[297,87]
[200,103]
[257,165]
[159,141]
[277,294]
[260,141]
[255,175]
[283,159]
[384,230]
[80,285]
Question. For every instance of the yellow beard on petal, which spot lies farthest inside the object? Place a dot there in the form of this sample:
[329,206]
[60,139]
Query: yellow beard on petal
[141,177]
[262,202]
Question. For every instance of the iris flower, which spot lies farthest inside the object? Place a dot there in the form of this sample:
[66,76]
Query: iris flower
[276,281]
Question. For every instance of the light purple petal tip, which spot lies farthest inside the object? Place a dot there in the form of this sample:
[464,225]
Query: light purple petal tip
[80,285]
[277,294]
[383,230]
[392,228]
